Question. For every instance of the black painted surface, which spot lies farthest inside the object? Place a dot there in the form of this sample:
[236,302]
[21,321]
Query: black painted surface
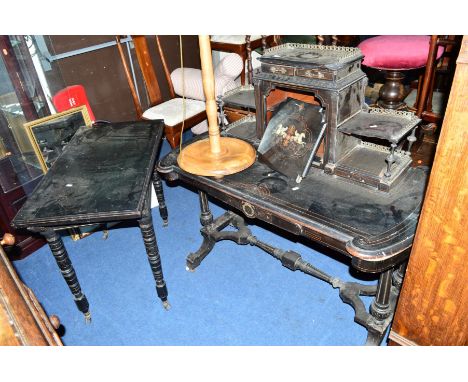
[384,126]
[311,56]
[333,210]
[290,136]
[102,175]
[245,128]
[242,98]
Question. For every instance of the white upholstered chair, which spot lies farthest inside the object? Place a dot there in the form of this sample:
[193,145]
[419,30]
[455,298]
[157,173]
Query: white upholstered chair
[172,110]
[226,71]
[243,45]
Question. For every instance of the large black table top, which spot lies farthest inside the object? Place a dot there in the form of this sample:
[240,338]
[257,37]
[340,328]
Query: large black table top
[102,175]
[369,225]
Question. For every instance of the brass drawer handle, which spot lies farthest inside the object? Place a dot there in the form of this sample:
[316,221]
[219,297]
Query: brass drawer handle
[248,209]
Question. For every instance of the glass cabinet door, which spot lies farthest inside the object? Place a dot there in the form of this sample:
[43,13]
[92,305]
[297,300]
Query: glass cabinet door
[21,100]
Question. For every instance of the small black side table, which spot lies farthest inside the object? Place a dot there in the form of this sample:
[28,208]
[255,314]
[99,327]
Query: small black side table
[103,176]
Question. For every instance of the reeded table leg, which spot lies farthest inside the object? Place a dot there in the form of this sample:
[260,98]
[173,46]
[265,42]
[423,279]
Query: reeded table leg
[158,188]
[61,256]
[149,237]
[398,274]
[382,308]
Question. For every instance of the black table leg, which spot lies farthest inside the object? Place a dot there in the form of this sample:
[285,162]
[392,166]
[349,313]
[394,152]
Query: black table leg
[149,238]
[61,256]
[398,274]
[206,218]
[158,188]
[382,308]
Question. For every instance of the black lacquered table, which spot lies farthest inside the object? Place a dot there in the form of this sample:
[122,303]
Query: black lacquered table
[374,229]
[103,176]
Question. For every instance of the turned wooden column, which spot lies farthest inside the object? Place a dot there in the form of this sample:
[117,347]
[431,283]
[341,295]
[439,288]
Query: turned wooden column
[392,93]
[432,308]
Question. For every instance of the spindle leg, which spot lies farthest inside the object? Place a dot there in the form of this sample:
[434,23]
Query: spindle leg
[390,160]
[158,188]
[68,272]
[411,139]
[149,238]
[381,307]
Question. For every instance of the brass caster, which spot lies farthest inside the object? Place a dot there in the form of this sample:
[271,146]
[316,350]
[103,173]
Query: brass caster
[165,222]
[188,269]
[166,305]
[87,317]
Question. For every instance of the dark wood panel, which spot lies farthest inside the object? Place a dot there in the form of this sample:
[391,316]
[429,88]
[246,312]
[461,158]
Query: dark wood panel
[102,74]
[61,44]
[22,319]
[433,309]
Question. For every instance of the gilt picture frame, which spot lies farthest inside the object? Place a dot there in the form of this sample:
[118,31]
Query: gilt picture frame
[50,135]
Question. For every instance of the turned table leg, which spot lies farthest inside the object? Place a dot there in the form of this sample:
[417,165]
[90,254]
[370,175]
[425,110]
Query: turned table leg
[382,308]
[398,274]
[68,272]
[158,188]
[149,238]
[206,218]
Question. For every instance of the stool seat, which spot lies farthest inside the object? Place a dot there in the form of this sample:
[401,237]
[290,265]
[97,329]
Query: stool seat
[395,55]
[396,52]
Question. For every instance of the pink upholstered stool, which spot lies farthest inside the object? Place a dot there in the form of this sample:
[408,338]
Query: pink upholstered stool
[395,55]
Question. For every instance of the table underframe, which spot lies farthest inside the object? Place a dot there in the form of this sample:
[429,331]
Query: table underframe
[385,293]
[149,237]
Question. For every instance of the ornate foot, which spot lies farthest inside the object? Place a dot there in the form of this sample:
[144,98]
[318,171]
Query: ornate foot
[206,220]
[374,338]
[158,188]
[349,294]
[195,258]
[381,309]
[68,272]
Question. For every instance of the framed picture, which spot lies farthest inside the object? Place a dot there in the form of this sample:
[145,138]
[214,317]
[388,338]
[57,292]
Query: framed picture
[50,135]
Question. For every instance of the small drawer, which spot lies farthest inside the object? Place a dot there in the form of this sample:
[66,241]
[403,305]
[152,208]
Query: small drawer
[278,69]
[315,73]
